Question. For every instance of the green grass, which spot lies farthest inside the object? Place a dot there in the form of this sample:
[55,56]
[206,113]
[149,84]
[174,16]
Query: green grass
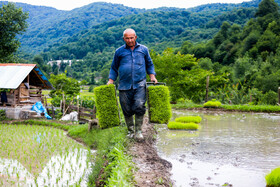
[212,104]
[252,108]
[179,125]
[227,107]
[188,119]
[273,178]
[110,144]
[186,105]
[159,105]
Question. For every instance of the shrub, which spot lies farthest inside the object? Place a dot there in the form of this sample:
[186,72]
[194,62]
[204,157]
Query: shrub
[179,125]
[270,98]
[159,105]
[273,178]
[188,119]
[212,104]
[106,106]
[2,115]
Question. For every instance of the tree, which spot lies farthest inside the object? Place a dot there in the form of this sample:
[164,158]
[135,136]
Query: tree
[63,85]
[267,7]
[38,59]
[12,22]
[184,76]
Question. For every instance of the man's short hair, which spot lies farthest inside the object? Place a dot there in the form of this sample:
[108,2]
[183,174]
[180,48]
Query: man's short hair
[128,29]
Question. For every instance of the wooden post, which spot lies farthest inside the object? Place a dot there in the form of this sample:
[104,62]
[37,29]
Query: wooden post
[207,88]
[278,95]
[251,98]
[53,112]
[63,101]
[78,110]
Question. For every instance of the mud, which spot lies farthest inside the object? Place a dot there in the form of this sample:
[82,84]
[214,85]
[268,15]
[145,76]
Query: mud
[152,170]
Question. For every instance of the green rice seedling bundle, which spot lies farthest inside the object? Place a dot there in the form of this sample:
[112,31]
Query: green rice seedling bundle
[188,119]
[179,125]
[106,106]
[273,178]
[212,104]
[159,105]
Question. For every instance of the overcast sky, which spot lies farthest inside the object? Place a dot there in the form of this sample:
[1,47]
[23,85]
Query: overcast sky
[71,4]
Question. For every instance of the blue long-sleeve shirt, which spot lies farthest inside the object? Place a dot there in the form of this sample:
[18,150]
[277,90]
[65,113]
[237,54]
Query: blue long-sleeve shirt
[131,66]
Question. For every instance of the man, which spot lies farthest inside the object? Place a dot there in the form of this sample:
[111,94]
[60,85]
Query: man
[131,63]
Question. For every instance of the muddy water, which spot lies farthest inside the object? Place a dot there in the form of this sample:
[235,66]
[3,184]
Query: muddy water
[236,149]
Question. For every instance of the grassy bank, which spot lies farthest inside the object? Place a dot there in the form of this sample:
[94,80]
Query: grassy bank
[112,167]
[226,107]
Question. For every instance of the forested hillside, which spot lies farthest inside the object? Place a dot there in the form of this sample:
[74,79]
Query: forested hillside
[48,25]
[158,30]
[249,56]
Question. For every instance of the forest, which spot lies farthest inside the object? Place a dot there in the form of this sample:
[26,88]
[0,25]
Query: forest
[235,45]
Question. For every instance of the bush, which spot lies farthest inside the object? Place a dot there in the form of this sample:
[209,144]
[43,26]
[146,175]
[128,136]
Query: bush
[106,106]
[270,98]
[91,88]
[2,115]
[212,104]
[159,105]
[188,119]
[273,178]
[179,125]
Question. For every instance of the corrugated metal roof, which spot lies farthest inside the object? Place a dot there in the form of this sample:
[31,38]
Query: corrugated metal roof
[11,75]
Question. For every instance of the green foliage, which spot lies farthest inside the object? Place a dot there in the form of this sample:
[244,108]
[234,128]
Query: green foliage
[119,168]
[252,108]
[184,76]
[159,105]
[64,85]
[212,104]
[179,125]
[108,142]
[270,98]
[267,7]
[59,125]
[91,88]
[12,23]
[185,103]
[2,115]
[106,106]
[188,119]
[273,178]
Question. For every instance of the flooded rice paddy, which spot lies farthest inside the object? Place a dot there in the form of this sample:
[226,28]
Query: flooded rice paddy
[41,156]
[230,149]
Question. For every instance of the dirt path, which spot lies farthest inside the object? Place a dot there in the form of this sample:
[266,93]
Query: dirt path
[153,170]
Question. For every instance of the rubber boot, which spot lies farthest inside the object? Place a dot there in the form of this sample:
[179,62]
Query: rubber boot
[138,127]
[130,126]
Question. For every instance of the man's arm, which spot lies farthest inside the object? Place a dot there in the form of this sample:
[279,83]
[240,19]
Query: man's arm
[113,74]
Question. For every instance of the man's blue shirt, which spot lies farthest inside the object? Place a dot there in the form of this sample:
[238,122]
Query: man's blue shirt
[131,66]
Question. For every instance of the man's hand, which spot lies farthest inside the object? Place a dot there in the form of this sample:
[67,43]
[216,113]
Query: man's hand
[110,81]
[153,78]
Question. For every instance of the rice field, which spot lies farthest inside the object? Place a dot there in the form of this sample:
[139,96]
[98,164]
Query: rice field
[41,156]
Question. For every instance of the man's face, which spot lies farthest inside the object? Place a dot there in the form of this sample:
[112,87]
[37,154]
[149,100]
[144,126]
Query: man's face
[130,38]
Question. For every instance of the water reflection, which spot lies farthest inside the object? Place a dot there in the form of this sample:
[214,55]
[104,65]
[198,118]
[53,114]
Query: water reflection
[234,148]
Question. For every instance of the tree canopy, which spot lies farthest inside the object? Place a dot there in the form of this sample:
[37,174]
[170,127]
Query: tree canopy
[12,23]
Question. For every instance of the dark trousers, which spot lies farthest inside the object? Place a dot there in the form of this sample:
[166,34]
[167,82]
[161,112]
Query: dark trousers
[133,101]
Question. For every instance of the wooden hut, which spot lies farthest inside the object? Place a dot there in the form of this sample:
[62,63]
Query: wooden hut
[23,84]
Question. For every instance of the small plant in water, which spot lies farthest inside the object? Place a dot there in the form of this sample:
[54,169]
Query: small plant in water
[273,178]
[160,181]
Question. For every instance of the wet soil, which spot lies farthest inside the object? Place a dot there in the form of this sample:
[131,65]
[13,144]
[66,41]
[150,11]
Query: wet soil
[152,170]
